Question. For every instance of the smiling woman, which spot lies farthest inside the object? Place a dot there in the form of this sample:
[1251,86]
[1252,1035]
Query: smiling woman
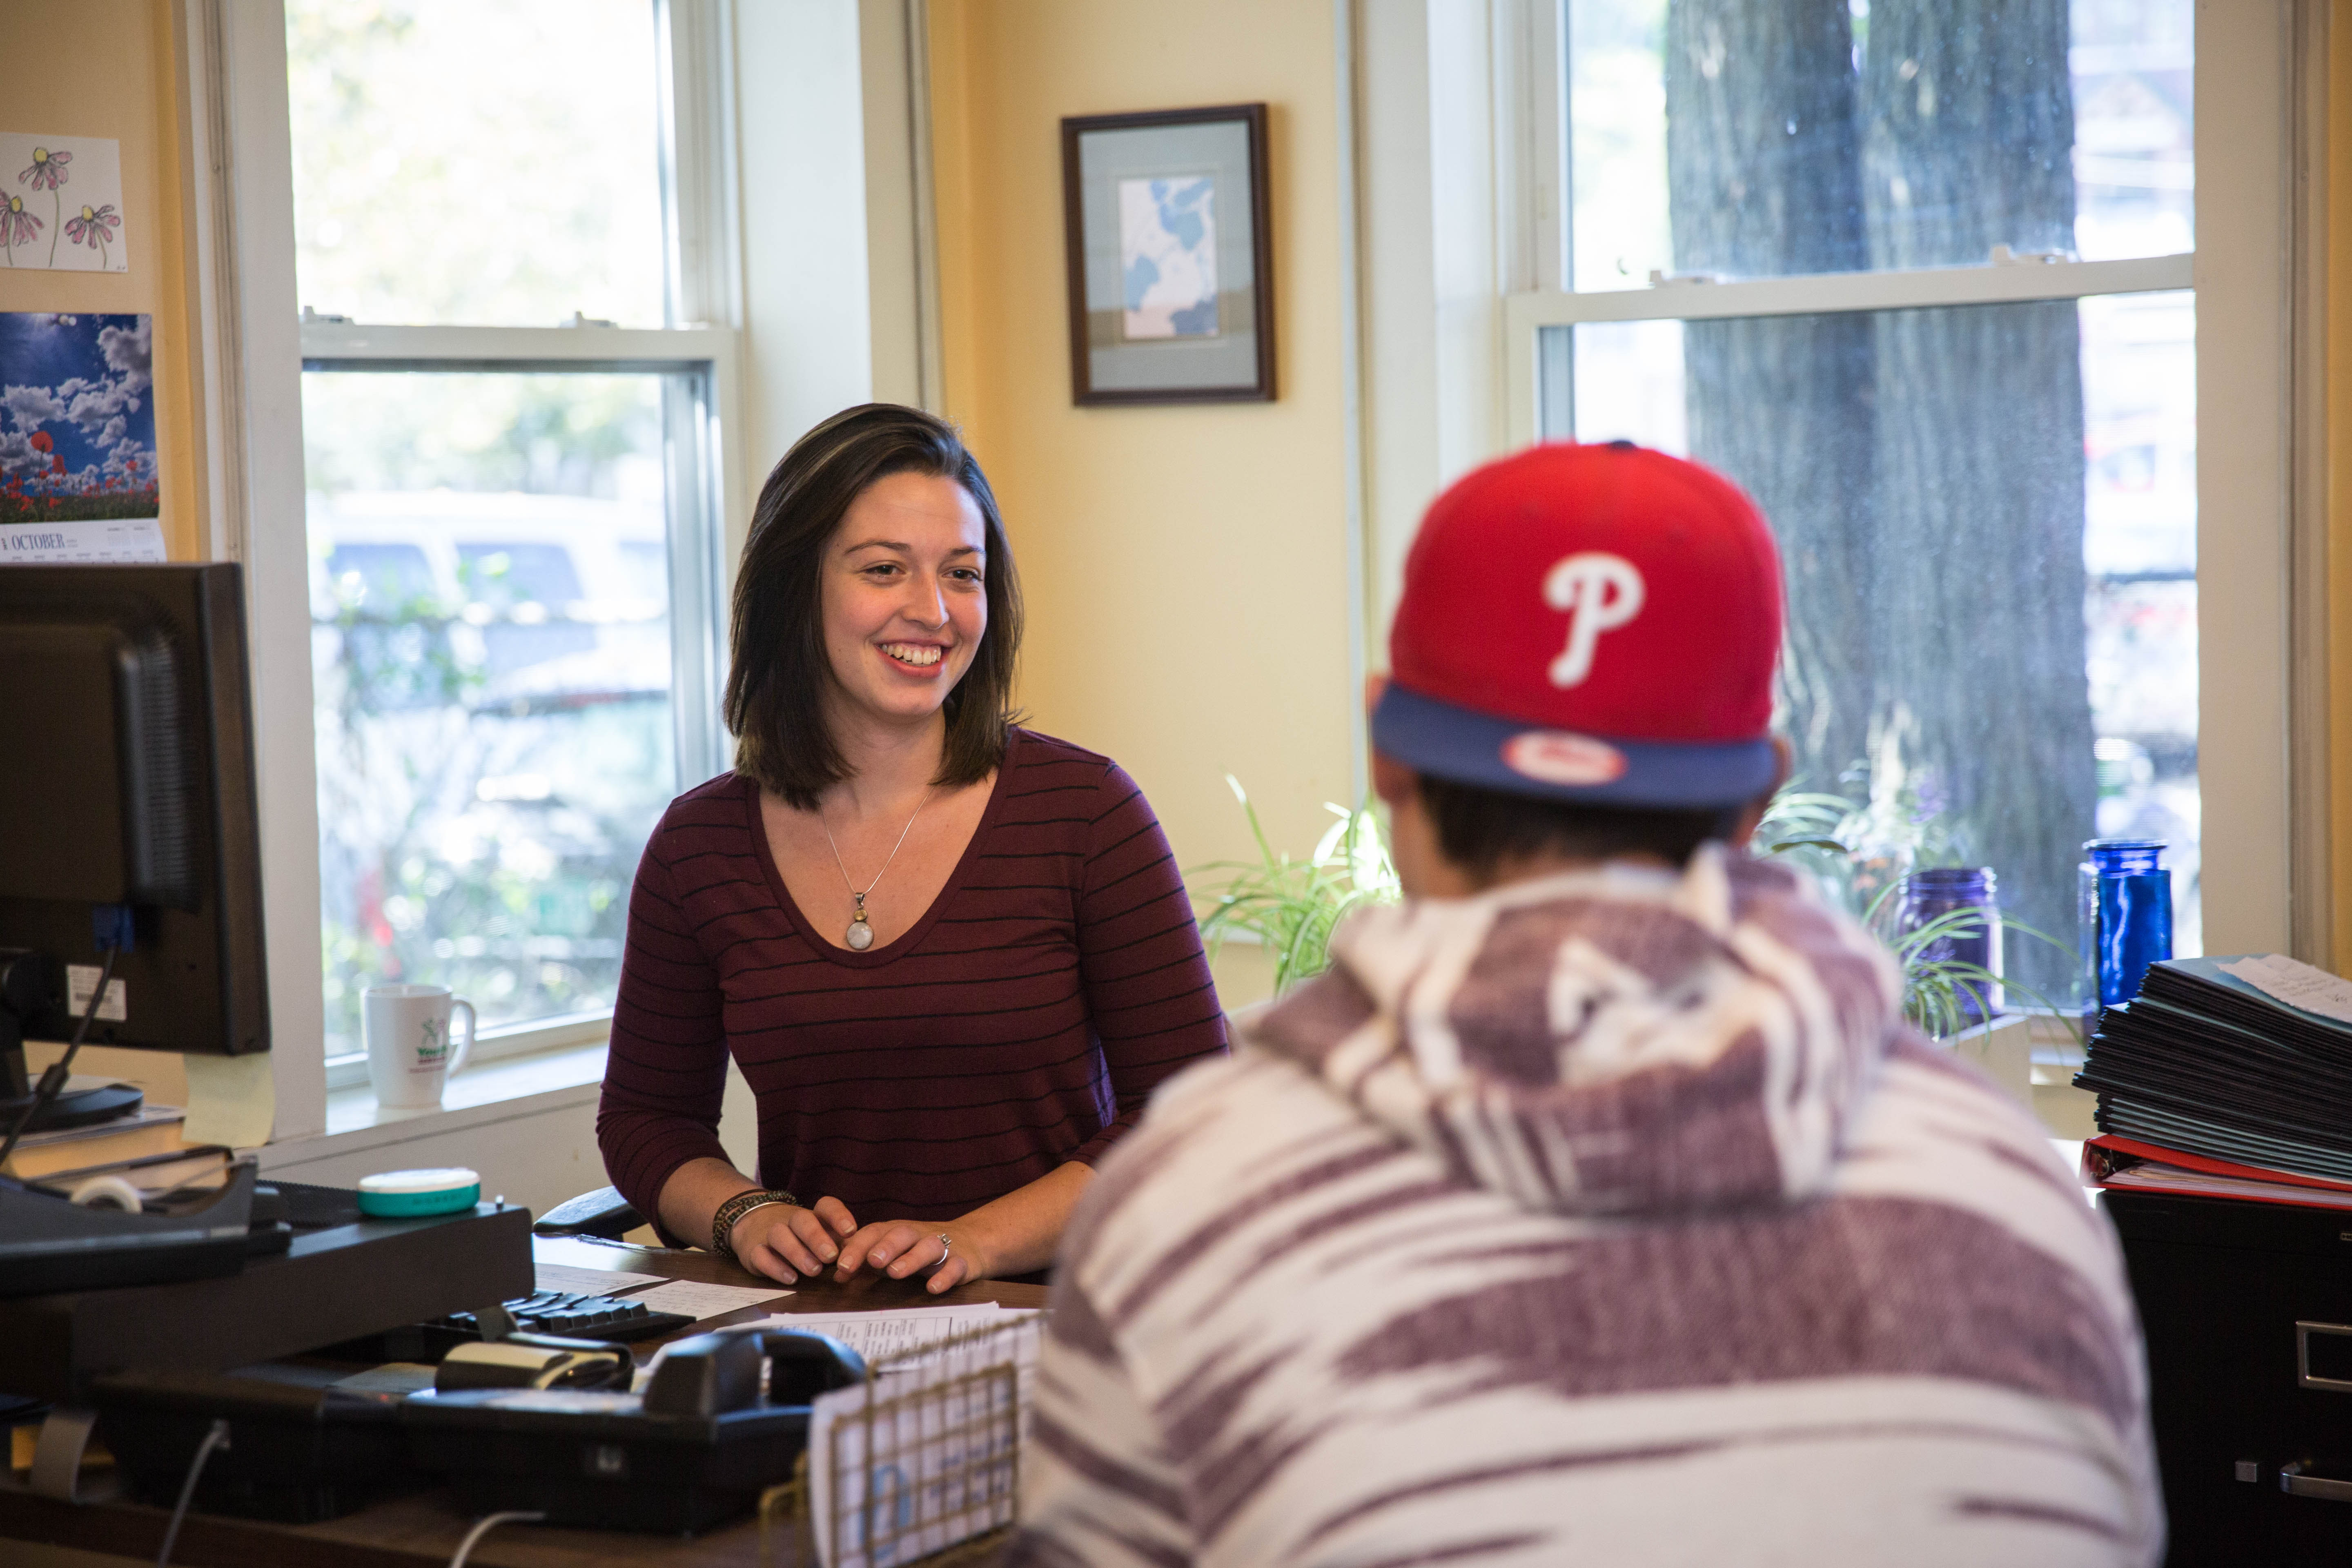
[952,956]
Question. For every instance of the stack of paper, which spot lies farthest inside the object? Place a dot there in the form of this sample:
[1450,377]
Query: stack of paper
[927,1453]
[893,1331]
[149,1129]
[2241,1060]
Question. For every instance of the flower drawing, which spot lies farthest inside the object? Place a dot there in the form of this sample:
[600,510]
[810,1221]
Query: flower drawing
[42,441]
[93,228]
[18,228]
[48,170]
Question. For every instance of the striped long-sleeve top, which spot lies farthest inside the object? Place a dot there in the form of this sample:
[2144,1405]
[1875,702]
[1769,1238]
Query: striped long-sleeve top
[1057,979]
[1614,1217]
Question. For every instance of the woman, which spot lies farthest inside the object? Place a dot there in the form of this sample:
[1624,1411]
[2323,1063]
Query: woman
[951,956]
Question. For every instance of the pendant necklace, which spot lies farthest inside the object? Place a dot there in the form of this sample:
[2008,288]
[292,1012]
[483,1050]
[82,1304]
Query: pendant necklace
[860,935]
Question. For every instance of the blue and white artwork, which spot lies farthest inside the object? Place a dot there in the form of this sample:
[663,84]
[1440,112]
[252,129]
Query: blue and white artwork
[1168,256]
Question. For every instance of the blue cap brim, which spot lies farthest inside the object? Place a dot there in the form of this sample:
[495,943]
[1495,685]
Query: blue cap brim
[1468,747]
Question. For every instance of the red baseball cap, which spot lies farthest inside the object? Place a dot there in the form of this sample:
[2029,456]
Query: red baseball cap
[1588,623]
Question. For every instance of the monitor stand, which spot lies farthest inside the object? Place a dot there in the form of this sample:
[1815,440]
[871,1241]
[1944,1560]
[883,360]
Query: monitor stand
[72,1107]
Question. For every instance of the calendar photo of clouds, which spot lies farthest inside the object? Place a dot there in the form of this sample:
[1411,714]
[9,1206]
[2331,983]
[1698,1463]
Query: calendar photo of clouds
[77,417]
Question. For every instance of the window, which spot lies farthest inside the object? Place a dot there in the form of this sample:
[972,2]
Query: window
[512,499]
[1916,274]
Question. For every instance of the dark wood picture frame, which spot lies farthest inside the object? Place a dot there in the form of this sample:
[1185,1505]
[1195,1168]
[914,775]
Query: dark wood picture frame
[1260,388]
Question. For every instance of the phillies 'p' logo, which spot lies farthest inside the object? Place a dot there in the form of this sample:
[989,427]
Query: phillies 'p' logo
[1600,592]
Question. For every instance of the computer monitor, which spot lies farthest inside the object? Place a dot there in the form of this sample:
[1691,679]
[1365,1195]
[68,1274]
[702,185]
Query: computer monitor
[126,806]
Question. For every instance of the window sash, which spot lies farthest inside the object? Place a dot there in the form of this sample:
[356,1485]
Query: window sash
[703,359]
[1693,300]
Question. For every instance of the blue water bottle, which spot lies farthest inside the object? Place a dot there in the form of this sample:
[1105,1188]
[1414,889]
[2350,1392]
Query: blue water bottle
[1945,889]
[2126,917]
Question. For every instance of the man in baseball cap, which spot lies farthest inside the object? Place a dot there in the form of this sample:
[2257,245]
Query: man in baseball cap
[1587,626]
[1597,1204]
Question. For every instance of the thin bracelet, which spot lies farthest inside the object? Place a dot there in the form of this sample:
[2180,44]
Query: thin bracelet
[722,1223]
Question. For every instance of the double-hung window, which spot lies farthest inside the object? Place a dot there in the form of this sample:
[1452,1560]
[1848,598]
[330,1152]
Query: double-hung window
[510,420]
[1917,274]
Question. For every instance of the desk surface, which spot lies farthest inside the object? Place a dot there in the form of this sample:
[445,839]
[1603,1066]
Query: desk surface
[425,1527]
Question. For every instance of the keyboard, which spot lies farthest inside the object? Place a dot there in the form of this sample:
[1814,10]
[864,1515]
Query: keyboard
[575,1316]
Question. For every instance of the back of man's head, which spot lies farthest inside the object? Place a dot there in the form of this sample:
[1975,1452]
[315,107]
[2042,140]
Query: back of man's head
[1581,662]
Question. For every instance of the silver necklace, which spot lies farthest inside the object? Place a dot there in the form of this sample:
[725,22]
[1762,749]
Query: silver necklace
[860,935]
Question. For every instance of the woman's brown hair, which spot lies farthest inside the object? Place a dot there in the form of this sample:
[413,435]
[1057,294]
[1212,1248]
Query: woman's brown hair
[775,688]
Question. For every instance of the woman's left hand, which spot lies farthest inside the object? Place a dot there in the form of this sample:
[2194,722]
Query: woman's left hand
[900,1247]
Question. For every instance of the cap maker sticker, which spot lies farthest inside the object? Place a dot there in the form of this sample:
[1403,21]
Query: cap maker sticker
[1558,757]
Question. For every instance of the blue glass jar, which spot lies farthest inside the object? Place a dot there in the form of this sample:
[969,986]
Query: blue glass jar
[2127,903]
[1946,889]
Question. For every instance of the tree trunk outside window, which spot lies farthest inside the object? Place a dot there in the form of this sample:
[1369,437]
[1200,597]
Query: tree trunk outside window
[1924,469]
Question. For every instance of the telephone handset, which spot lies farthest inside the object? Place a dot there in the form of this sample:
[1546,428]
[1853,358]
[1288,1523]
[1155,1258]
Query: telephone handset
[721,1417]
[710,1374]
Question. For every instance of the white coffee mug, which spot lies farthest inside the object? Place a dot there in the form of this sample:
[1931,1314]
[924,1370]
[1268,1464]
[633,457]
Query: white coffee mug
[410,1052]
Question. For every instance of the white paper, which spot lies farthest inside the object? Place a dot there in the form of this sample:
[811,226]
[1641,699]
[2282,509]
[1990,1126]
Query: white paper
[2296,983]
[564,1277]
[698,1301]
[97,542]
[892,1330]
[931,1466]
[68,213]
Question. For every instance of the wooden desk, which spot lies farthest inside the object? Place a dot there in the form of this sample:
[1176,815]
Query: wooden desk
[424,1526]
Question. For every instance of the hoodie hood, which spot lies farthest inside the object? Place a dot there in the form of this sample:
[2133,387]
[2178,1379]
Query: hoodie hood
[1622,1040]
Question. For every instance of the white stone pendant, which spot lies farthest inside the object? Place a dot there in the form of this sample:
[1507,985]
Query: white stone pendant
[859,936]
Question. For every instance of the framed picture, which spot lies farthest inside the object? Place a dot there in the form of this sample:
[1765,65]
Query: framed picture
[1172,286]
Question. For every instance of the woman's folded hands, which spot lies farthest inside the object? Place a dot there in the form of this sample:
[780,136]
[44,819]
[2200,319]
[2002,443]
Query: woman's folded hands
[899,1248]
[789,1244]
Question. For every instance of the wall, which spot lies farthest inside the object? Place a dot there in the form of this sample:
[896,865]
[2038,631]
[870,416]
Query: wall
[2336,170]
[104,67]
[1187,568]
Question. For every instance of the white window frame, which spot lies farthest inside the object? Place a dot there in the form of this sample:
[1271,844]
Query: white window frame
[1464,246]
[253,345]
[705,358]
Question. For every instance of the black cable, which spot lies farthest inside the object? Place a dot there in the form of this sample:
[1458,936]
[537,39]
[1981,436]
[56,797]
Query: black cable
[216,1437]
[53,1082]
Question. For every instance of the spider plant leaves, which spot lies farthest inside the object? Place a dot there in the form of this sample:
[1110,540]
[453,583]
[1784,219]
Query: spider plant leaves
[1291,907]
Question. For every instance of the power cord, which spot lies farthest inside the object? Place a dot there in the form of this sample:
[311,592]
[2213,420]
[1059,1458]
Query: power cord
[216,1437]
[53,1082]
[483,1526]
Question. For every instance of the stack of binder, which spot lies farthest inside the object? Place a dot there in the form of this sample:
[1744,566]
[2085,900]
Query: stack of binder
[2210,1076]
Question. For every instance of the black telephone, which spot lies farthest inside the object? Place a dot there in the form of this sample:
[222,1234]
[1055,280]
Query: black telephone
[721,1417]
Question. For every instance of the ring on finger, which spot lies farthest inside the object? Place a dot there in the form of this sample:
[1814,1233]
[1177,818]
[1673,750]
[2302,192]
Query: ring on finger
[946,1245]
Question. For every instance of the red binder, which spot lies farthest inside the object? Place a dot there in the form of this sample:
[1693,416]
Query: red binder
[2109,1160]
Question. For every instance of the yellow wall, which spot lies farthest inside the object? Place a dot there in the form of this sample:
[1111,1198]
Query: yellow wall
[2337,172]
[104,67]
[1186,567]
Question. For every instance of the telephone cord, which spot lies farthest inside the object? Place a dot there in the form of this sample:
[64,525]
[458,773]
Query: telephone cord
[483,1526]
[215,1436]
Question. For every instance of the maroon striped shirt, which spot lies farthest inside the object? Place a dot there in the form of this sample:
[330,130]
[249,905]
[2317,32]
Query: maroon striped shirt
[1057,979]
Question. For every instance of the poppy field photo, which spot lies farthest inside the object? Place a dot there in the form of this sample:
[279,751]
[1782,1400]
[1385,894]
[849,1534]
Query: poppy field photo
[76,418]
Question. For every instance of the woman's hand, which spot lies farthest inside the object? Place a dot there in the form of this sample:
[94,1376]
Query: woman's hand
[899,1248]
[784,1242]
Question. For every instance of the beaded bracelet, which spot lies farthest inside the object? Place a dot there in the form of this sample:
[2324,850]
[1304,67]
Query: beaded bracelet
[722,1223]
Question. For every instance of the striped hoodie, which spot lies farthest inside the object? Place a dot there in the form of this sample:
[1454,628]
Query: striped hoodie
[1613,1217]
